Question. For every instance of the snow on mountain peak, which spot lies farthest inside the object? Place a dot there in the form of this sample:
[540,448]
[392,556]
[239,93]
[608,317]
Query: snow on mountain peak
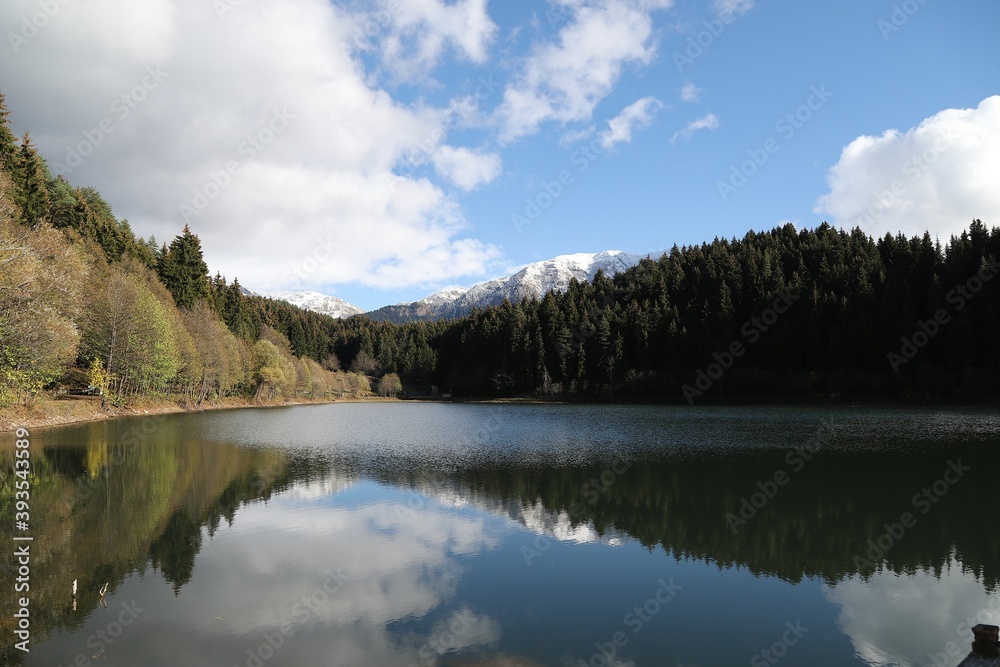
[535,280]
[447,295]
[532,282]
[316,302]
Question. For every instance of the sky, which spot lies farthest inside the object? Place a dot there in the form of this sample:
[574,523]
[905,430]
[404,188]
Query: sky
[380,150]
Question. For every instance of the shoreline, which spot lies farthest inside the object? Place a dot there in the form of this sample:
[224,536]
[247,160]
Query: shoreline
[53,413]
[755,402]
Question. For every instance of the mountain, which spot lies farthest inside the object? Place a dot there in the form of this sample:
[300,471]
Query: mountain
[533,281]
[316,302]
[445,296]
[429,308]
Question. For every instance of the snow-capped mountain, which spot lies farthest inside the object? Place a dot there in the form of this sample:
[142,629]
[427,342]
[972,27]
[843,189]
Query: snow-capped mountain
[533,281]
[316,302]
[447,295]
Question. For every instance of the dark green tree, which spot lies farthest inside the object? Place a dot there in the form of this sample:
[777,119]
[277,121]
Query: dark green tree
[34,192]
[183,270]
[8,142]
[67,207]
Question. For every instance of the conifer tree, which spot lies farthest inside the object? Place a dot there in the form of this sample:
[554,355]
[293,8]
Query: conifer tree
[67,206]
[8,142]
[183,270]
[34,191]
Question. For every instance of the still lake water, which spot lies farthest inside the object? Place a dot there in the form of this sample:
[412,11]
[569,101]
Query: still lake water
[436,534]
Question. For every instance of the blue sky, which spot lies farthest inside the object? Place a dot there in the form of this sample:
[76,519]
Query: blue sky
[411,140]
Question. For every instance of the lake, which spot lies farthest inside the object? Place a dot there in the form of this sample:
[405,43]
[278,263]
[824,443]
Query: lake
[409,534]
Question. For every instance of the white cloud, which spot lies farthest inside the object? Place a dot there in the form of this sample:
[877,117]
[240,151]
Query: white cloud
[342,604]
[636,115]
[323,201]
[419,30]
[690,92]
[466,168]
[707,122]
[476,630]
[880,613]
[727,8]
[574,136]
[564,79]
[937,176]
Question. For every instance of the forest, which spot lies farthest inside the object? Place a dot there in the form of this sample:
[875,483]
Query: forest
[784,314]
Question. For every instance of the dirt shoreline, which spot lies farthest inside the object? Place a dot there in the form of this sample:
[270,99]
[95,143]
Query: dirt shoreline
[52,413]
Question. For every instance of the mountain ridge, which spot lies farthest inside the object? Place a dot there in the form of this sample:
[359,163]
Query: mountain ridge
[315,302]
[531,281]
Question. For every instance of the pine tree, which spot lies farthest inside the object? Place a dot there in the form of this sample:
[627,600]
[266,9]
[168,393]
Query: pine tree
[183,270]
[34,196]
[68,208]
[154,249]
[8,142]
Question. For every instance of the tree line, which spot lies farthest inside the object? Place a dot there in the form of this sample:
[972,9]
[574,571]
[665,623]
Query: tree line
[785,313]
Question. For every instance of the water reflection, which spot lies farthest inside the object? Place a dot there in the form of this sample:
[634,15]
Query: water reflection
[420,547]
[338,577]
[923,618]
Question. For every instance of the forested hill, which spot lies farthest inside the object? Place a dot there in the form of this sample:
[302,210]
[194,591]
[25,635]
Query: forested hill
[783,314]
[86,304]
